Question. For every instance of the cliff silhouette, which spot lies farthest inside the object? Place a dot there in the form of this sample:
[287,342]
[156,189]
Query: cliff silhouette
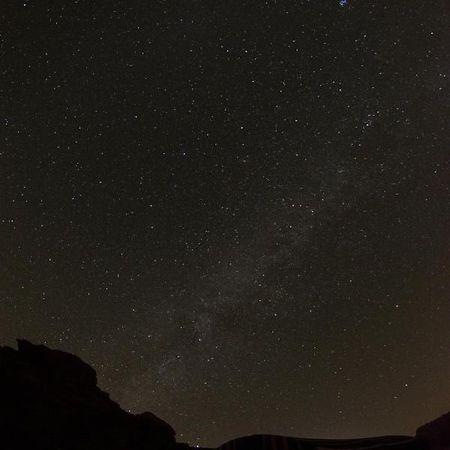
[49,400]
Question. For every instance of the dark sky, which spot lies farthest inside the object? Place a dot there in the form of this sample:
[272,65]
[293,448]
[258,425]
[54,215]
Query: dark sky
[237,211]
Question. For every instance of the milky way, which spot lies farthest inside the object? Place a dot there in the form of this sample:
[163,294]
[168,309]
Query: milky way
[237,212]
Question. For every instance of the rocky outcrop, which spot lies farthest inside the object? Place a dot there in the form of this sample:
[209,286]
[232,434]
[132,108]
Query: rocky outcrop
[436,434]
[49,400]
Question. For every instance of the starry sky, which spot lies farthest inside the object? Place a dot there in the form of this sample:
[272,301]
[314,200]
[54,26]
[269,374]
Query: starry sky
[237,211]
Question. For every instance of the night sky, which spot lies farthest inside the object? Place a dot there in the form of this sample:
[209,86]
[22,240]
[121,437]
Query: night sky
[237,211]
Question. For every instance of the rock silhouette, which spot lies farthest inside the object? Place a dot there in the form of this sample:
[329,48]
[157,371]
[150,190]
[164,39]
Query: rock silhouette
[436,434]
[50,400]
[273,442]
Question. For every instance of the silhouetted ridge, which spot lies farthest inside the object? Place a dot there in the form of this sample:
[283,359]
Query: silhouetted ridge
[434,435]
[273,442]
[50,400]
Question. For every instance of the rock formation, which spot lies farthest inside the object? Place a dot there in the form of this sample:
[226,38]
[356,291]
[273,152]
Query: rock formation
[436,434]
[49,400]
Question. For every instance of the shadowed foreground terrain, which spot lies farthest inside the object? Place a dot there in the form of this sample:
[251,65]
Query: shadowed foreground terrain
[50,401]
